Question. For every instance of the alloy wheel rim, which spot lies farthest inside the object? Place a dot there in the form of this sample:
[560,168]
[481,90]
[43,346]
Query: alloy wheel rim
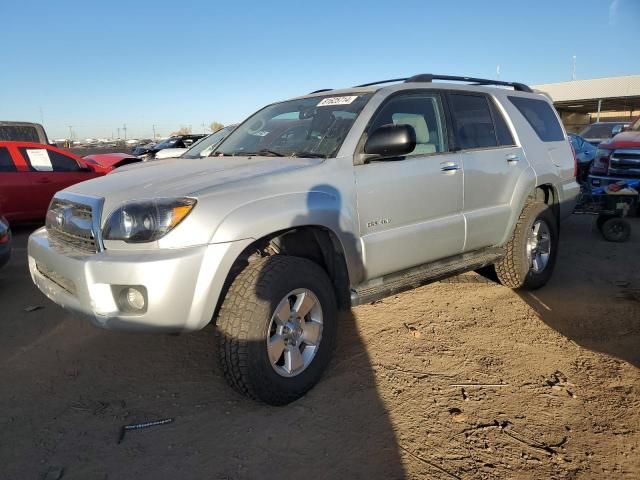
[295,332]
[539,246]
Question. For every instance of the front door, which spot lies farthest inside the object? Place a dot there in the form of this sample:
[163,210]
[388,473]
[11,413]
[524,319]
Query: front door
[410,208]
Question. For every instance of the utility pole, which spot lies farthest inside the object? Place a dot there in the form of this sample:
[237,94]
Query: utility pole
[118,133]
[204,129]
[573,74]
[124,128]
[70,132]
[154,132]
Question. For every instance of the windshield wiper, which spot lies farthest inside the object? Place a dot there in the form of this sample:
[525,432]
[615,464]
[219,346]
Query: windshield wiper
[260,153]
[308,155]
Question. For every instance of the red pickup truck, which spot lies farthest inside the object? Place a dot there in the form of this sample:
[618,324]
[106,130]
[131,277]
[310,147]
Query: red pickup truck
[617,159]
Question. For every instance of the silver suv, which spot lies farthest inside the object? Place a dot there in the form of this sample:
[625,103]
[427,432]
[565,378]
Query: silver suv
[311,205]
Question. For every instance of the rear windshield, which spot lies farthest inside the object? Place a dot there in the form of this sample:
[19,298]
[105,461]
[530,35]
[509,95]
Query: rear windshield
[19,133]
[541,117]
[598,130]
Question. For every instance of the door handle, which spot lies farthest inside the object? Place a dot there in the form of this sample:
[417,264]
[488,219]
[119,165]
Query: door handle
[449,167]
[512,158]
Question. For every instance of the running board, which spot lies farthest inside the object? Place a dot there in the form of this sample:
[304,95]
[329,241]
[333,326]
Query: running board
[414,277]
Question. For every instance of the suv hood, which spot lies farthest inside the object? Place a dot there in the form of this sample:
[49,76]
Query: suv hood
[630,139]
[184,177]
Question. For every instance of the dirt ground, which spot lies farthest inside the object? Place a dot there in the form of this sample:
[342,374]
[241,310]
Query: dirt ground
[462,379]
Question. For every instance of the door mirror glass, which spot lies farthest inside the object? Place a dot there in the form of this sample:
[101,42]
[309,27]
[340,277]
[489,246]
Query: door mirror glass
[391,141]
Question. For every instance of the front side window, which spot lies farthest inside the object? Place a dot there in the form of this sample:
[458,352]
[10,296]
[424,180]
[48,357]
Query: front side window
[421,111]
[308,127]
[472,121]
[45,160]
[541,117]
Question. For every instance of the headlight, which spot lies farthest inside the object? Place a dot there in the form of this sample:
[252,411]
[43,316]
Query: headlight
[146,221]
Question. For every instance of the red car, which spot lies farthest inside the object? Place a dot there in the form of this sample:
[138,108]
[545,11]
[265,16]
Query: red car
[618,159]
[31,173]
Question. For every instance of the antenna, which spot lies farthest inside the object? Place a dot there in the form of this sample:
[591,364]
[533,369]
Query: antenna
[498,72]
[124,128]
[573,74]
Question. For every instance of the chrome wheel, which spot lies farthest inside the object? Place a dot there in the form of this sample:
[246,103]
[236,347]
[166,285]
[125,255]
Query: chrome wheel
[295,332]
[539,246]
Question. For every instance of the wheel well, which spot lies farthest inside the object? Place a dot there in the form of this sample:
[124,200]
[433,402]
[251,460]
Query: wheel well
[314,243]
[548,194]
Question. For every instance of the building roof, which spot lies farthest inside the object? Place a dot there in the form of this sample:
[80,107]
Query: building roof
[616,93]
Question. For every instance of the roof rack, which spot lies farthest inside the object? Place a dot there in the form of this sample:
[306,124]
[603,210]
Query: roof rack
[322,90]
[429,77]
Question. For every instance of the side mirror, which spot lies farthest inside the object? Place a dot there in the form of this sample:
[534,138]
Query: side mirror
[616,130]
[391,141]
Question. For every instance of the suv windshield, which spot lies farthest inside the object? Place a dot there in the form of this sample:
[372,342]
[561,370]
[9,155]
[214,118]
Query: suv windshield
[204,147]
[307,127]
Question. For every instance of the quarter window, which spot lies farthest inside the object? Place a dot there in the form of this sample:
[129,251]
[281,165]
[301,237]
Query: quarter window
[6,163]
[423,112]
[541,117]
[472,121]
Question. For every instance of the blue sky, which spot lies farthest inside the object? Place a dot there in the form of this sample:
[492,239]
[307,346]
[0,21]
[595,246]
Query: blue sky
[99,65]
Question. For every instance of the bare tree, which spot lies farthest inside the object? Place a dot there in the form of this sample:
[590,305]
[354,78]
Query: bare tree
[215,126]
[182,131]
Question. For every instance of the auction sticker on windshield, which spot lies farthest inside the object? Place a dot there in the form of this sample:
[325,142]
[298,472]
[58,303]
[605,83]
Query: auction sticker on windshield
[336,101]
[39,159]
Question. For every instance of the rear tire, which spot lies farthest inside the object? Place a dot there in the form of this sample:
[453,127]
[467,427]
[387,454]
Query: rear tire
[269,349]
[616,230]
[531,253]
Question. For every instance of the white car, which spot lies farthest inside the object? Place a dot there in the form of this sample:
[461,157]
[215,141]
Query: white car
[201,148]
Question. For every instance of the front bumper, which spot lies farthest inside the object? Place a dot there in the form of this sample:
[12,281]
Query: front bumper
[604,180]
[182,285]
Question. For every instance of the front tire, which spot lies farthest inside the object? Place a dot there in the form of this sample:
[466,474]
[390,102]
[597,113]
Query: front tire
[531,253]
[277,328]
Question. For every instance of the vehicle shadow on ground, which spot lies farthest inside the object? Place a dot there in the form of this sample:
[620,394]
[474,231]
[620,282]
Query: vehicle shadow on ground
[607,285]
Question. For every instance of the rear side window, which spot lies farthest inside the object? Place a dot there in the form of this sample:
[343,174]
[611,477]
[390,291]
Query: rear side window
[6,163]
[502,130]
[541,117]
[44,160]
[472,121]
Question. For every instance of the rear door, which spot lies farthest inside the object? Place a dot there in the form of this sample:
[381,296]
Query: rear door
[51,170]
[492,165]
[14,187]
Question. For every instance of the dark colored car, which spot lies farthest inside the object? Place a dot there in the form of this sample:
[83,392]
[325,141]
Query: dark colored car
[585,153]
[601,131]
[617,159]
[5,241]
[178,141]
[31,173]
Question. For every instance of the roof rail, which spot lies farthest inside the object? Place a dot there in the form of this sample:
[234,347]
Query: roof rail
[321,90]
[429,77]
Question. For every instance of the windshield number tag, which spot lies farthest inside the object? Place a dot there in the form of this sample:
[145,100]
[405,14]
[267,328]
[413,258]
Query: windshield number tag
[336,101]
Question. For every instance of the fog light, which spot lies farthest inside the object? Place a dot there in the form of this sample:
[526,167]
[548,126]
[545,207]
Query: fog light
[135,299]
[131,299]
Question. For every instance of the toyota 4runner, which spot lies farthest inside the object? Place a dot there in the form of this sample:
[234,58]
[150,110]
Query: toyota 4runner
[312,205]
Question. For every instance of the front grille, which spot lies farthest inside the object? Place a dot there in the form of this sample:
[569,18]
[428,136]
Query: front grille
[71,224]
[625,162]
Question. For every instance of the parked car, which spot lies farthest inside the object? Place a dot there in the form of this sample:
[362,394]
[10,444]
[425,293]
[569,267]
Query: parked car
[617,159]
[22,132]
[30,174]
[5,241]
[201,148]
[179,141]
[601,131]
[325,201]
[108,161]
[585,153]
